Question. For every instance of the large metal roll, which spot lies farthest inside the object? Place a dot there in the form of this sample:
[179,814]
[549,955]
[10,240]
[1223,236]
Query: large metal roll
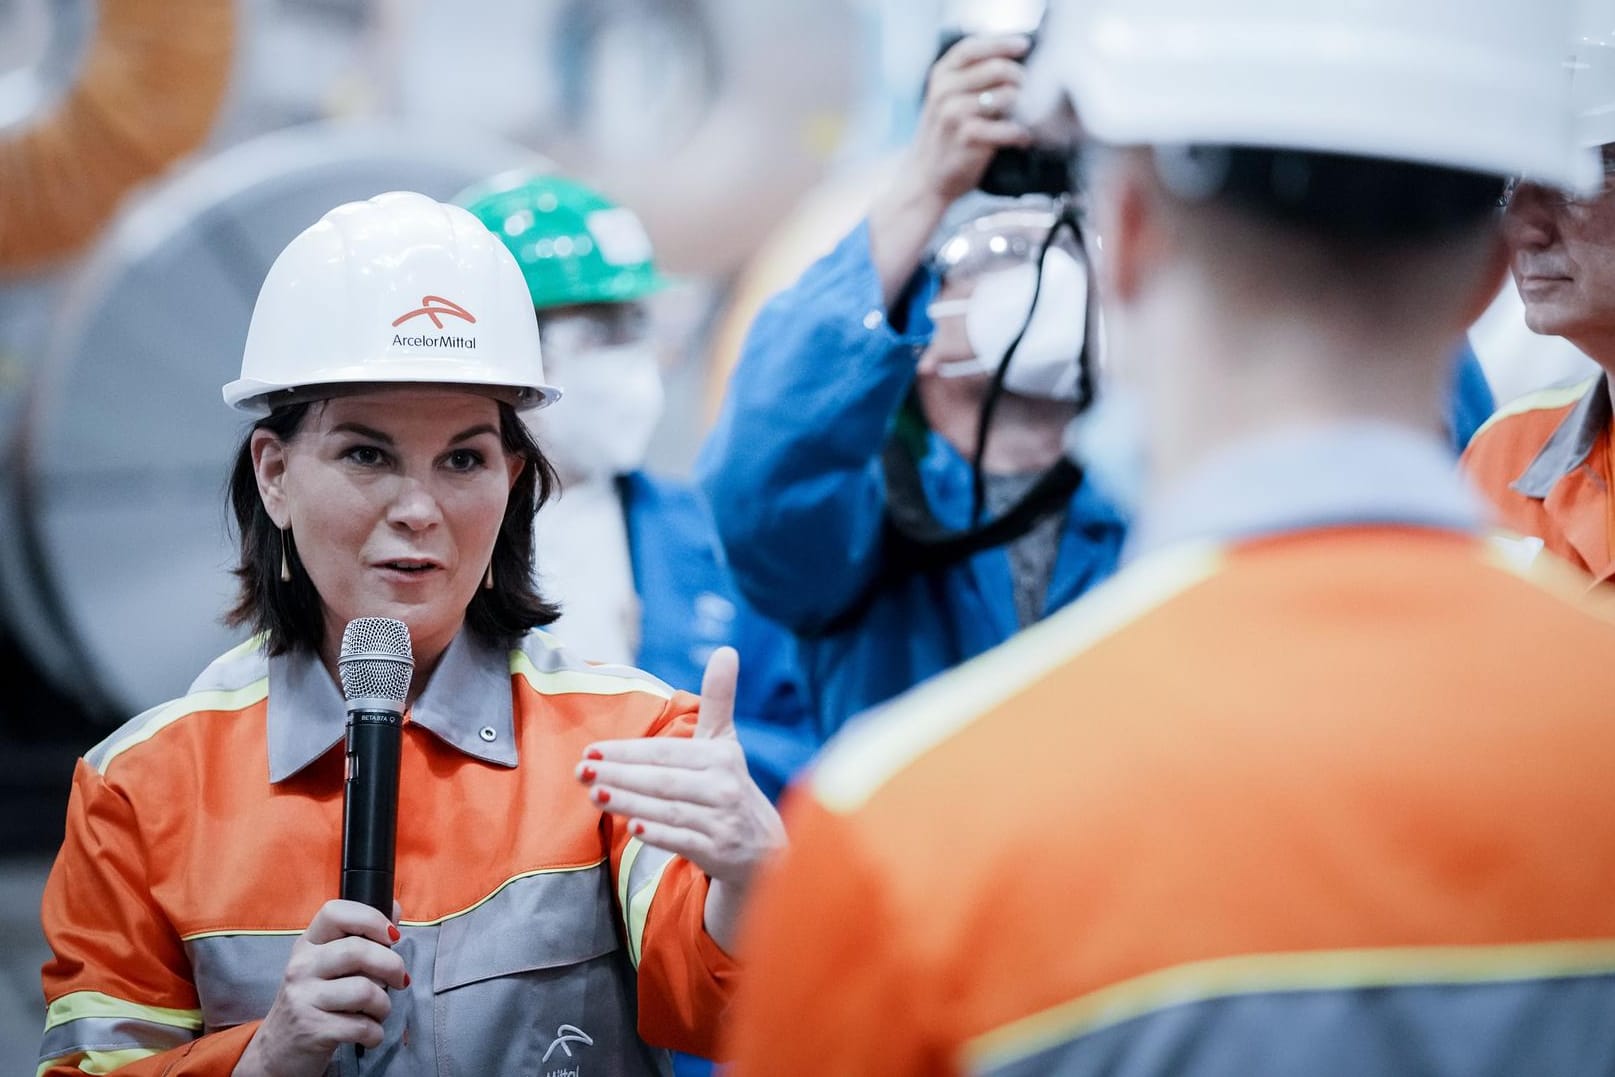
[96,97]
[114,552]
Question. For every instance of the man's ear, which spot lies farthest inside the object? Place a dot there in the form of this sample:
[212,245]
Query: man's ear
[269,467]
[1136,237]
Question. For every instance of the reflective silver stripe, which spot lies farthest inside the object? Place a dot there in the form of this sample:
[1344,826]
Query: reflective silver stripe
[237,975]
[547,920]
[1557,1026]
[639,874]
[236,668]
[232,681]
[109,1034]
[647,865]
[545,661]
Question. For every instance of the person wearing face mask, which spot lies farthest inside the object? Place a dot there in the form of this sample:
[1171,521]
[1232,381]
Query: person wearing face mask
[841,469]
[630,557]
[847,413]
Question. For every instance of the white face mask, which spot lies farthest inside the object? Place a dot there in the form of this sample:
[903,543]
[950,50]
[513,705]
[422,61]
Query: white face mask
[611,403]
[1045,363]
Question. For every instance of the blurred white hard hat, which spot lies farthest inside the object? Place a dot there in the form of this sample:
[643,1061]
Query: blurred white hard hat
[1592,64]
[401,288]
[1477,85]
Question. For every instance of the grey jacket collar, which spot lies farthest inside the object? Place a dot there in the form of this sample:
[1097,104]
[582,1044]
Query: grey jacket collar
[467,704]
[1305,478]
[1570,444]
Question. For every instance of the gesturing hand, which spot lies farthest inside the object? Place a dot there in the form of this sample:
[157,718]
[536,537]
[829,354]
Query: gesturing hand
[333,992]
[691,796]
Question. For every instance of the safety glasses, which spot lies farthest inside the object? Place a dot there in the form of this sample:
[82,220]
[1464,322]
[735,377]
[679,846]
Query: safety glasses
[1558,196]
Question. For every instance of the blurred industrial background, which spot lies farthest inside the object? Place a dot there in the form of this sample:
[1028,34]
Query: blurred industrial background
[156,154]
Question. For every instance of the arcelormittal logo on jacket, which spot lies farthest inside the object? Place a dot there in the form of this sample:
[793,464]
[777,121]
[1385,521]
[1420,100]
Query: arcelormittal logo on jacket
[435,308]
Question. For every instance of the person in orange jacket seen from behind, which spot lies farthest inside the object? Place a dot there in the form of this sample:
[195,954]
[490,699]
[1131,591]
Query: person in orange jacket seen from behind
[1545,460]
[1319,783]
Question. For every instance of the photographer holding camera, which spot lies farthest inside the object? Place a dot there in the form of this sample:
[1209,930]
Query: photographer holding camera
[840,471]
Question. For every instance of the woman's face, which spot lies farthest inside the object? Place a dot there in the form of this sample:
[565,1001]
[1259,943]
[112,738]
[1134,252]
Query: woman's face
[394,498]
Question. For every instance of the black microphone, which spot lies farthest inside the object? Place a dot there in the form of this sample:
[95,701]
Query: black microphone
[376,665]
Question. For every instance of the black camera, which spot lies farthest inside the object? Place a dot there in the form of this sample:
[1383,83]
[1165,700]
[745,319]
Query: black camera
[1016,171]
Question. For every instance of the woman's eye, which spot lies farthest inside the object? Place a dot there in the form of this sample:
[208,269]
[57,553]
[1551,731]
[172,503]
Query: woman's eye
[366,455]
[464,460]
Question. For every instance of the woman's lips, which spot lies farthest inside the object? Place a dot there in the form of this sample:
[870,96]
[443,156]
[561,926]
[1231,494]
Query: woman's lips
[408,567]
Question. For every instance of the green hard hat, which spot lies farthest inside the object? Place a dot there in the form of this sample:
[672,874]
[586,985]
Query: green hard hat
[573,244]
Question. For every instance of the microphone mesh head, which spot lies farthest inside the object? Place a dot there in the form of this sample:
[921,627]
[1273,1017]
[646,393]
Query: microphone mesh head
[377,660]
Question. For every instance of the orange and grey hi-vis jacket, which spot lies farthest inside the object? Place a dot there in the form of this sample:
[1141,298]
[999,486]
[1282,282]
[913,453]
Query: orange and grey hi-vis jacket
[540,937]
[1545,464]
[1321,786]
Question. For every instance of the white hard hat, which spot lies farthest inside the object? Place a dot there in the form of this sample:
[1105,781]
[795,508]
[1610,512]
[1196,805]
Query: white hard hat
[401,288]
[1592,65]
[1476,85]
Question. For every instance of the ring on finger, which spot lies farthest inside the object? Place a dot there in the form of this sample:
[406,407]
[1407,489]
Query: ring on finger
[987,103]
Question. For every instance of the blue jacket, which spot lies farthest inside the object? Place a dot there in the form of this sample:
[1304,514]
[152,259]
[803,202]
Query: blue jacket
[792,471]
[1472,401]
[689,608]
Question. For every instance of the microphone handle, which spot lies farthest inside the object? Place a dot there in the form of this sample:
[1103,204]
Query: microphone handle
[370,807]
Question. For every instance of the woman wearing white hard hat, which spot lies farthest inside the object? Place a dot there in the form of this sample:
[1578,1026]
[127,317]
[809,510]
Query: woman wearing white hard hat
[573,841]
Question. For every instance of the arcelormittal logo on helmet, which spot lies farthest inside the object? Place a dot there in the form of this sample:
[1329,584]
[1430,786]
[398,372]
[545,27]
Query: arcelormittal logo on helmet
[435,308]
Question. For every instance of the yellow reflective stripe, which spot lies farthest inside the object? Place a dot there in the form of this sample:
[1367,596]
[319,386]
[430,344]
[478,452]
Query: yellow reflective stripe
[870,753]
[1321,970]
[80,1004]
[155,720]
[231,933]
[1550,574]
[1541,400]
[636,906]
[98,1061]
[630,853]
[489,896]
[562,870]
[584,681]
[95,1005]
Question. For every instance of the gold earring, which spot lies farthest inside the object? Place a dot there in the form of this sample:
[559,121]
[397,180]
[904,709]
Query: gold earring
[285,566]
[487,581]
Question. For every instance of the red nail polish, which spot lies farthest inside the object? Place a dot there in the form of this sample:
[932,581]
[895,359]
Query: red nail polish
[593,753]
[639,829]
[602,797]
[406,979]
[588,774]
[392,933]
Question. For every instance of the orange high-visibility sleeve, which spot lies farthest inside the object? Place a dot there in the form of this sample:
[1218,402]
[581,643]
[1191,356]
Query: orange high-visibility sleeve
[830,986]
[685,980]
[118,985]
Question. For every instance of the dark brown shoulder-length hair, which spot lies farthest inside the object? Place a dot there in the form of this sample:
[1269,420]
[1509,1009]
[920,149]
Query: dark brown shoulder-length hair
[289,615]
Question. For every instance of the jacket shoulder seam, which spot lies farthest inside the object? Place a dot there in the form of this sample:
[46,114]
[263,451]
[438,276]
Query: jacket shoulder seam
[1554,399]
[148,724]
[882,745]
